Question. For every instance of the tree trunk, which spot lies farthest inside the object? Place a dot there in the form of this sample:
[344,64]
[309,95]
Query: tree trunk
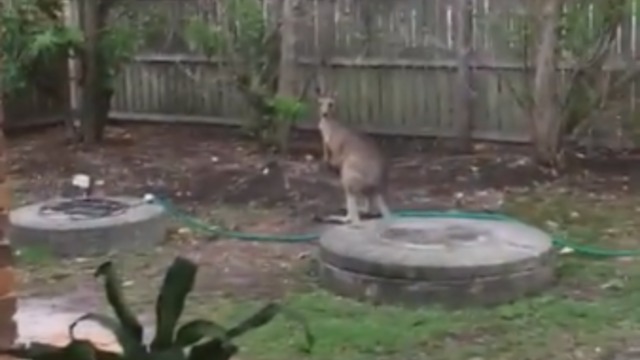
[91,124]
[324,41]
[73,117]
[103,103]
[8,300]
[464,89]
[287,79]
[546,121]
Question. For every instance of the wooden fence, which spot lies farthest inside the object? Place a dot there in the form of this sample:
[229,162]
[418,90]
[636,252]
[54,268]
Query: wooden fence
[394,65]
[33,108]
[42,104]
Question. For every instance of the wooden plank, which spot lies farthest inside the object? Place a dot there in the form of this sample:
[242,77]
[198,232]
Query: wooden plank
[377,130]
[464,85]
[375,62]
[392,63]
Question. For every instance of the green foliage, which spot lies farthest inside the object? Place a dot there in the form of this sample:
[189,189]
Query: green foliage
[198,339]
[586,34]
[204,37]
[577,32]
[250,50]
[117,46]
[242,33]
[32,38]
[583,24]
[243,38]
[248,31]
[288,109]
[127,32]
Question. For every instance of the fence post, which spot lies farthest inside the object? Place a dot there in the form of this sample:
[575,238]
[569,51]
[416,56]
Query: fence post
[90,78]
[8,299]
[325,34]
[72,19]
[547,129]
[287,68]
[287,71]
[464,87]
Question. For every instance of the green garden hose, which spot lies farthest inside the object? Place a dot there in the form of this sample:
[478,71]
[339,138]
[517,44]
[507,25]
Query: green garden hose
[558,241]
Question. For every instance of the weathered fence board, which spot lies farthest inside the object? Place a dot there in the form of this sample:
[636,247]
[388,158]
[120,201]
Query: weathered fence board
[32,109]
[393,65]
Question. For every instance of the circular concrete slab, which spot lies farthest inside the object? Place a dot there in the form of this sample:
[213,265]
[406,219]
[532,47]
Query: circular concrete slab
[88,227]
[422,260]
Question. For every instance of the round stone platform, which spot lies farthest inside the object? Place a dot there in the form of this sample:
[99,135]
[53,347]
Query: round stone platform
[88,226]
[419,261]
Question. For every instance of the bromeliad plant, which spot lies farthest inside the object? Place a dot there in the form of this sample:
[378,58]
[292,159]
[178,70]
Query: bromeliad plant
[194,340]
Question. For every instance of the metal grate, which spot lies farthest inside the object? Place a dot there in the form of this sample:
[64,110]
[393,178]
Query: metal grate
[84,208]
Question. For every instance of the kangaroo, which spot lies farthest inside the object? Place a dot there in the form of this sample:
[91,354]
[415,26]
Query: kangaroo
[363,167]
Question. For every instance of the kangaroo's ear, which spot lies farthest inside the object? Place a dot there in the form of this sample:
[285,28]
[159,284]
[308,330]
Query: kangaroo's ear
[318,90]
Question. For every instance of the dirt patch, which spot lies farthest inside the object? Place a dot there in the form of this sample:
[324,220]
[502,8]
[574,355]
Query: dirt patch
[216,175]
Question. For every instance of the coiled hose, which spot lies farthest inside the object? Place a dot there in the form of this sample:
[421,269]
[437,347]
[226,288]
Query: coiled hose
[558,241]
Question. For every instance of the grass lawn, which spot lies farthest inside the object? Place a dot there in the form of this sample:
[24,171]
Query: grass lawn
[594,306]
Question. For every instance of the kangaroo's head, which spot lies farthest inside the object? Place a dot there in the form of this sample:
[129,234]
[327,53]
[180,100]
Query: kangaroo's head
[326,104]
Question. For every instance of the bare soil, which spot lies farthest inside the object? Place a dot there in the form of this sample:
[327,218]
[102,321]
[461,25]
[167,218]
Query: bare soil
[215,174]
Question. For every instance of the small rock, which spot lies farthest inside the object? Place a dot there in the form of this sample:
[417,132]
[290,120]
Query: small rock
[184,231]
[566,250]
[615,284]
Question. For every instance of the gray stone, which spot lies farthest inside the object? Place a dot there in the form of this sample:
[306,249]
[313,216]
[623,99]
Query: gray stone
[416,261]
[141,225]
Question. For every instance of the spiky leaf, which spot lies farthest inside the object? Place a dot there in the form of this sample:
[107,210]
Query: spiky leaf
[205,340]
[200,331]
[265,315]
[174,353]
[177,284]
[213,349]
[75,350]
[80,350]
[34,350]
[113,290]
[131,347]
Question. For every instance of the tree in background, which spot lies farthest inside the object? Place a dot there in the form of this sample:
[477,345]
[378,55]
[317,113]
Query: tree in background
[113,33]
[35,40]
[572,38]
[258,56]
[34,44]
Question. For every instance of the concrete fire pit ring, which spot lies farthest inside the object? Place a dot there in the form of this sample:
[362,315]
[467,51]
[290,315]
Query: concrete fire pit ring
[450,261]
[88,227]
